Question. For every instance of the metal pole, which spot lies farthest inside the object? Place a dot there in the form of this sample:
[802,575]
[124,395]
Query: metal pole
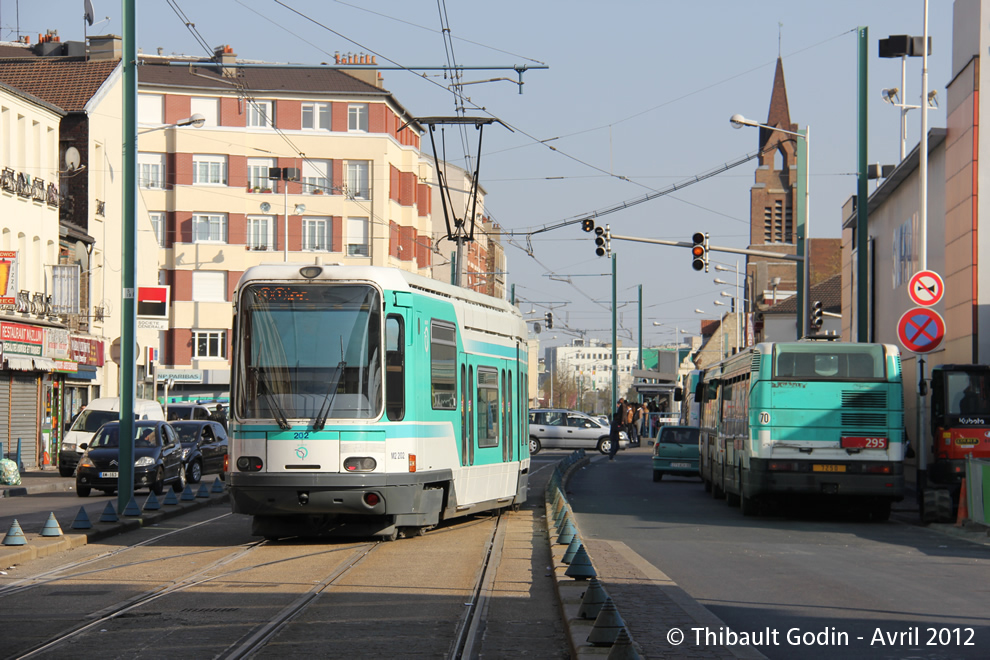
[615,354]
[639,361]
[862,330]
[128,259]
[904,109]
[806,310]
[738,320]
[922,476]
[285,198]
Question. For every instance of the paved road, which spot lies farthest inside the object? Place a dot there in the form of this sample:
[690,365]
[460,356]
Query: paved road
[859,589]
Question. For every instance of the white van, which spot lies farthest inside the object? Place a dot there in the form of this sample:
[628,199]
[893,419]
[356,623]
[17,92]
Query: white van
[97,413]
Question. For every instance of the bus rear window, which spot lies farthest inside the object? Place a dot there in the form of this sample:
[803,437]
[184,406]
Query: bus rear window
[828,362]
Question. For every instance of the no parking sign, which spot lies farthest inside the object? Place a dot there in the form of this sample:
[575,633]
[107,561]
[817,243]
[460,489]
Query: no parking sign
[921,330]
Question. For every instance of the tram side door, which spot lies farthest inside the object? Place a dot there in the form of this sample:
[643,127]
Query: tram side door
[467,411]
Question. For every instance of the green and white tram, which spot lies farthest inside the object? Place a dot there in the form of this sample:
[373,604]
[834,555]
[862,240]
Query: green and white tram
[809,418]
[373,401]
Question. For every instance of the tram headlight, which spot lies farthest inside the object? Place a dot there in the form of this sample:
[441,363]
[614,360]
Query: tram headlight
[360,464]
[309,272]
[249,463]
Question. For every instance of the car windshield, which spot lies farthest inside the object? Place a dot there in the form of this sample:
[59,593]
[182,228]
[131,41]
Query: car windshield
[90,420]
[108,437]
[678,436]
[188,432]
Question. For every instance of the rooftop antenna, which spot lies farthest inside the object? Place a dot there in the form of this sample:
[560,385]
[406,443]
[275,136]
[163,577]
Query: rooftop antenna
[88,15]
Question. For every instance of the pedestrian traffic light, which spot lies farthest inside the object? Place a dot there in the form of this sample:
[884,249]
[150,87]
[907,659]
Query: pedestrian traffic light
[699,252]
[816,315]
[549,320]
[588,224]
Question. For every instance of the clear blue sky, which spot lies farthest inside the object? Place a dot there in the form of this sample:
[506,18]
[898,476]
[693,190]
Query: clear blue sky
[637,97]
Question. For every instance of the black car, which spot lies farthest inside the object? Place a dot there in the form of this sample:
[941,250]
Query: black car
[184,411]
[204,448]
[157,459]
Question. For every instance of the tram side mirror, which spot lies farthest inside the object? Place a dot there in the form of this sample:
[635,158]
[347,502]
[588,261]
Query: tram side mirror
[678,394]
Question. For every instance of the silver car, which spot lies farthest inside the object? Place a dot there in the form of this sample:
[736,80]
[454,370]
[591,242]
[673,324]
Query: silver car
[569,429]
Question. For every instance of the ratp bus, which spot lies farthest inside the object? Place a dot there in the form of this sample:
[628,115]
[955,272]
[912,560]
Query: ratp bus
[807,418]
[371,401]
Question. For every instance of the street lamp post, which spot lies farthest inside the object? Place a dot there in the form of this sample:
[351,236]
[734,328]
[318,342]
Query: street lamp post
[804,219]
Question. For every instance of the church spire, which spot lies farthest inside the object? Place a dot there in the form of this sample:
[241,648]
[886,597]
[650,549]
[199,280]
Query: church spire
[779,115]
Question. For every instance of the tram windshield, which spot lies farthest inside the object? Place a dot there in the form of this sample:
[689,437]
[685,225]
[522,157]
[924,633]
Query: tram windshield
[820,361]
[309,351]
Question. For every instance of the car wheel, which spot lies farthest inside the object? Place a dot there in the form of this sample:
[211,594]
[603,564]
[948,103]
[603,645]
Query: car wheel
[158,485]
[657,475]
[83,491]
[534,446]
[195,472]
[179,484]
[604,445]
[65,472]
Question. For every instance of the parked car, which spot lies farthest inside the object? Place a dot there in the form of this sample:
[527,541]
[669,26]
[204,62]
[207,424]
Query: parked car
[183,411]
[157,459]
[676,451]
[569,429]
[204,449]
[97,413]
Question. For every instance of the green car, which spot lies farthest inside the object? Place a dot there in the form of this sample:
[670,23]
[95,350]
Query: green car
[676,451]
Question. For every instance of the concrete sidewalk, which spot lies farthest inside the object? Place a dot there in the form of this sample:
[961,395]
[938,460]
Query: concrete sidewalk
[39,481]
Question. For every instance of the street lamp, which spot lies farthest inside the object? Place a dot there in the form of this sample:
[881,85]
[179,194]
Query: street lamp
[196,121]
[804,219]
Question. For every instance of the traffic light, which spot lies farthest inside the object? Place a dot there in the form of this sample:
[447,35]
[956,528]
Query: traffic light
[699,252]
[588,224]
[602,246]
[816,315]
[549,320]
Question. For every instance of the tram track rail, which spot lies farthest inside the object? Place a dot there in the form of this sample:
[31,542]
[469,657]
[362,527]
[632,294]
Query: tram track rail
[472,626]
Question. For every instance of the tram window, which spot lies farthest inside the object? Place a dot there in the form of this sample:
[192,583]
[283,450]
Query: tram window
[395,377]
[443,362]
[488,407]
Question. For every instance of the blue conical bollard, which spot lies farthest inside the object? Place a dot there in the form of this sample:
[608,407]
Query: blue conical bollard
[566,533]
[581,568]
[607,625]
[594,598]
[623,649]
[152,503]
[82,520]
[109,513]
[217,486]
[132,510]
[187,495]
[15,535]
[51,527]
[204,490]
[170,498]
[571,550]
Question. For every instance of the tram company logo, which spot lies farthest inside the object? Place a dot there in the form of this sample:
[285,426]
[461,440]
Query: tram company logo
[302,452]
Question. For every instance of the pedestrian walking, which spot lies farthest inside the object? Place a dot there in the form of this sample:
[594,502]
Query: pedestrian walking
[615,429]
[219,415]
[634,417]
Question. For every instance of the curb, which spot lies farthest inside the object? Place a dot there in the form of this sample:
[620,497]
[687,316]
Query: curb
[38,546]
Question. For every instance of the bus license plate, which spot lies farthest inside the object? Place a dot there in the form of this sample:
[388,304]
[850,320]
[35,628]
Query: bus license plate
[109,475]
[862,442]
[828,468]
[683,465]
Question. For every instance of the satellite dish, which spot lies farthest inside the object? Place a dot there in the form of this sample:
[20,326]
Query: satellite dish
[72,159]
[265,207]
[90,12]
[82,255]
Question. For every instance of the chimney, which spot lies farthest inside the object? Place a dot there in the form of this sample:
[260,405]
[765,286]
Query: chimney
[106,47]
[225,57]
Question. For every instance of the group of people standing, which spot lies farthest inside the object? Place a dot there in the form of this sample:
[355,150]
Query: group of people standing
[631,418]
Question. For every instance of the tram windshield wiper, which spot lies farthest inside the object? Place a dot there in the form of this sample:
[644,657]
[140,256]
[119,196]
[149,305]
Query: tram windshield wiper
[276,409]
[321,417]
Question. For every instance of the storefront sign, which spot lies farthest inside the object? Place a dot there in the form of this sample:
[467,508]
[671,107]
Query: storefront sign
[8,279]
[57,343]
[181,375]
[22,339]
[84,350]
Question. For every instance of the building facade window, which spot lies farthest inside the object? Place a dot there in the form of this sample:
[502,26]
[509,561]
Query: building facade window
[358,181]
[158,225]
[151,170]
[65,289]
[209,286]
[316,234]
[208,107]
[357,237]
[903,252]
[209,228]
[150,109]
[260,232]
[258,173]
[316,176]
[357,117]
[260,115]
[210,344]
[209,170]
[316,116]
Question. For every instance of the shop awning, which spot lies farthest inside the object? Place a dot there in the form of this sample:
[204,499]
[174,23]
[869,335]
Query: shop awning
[20,363]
